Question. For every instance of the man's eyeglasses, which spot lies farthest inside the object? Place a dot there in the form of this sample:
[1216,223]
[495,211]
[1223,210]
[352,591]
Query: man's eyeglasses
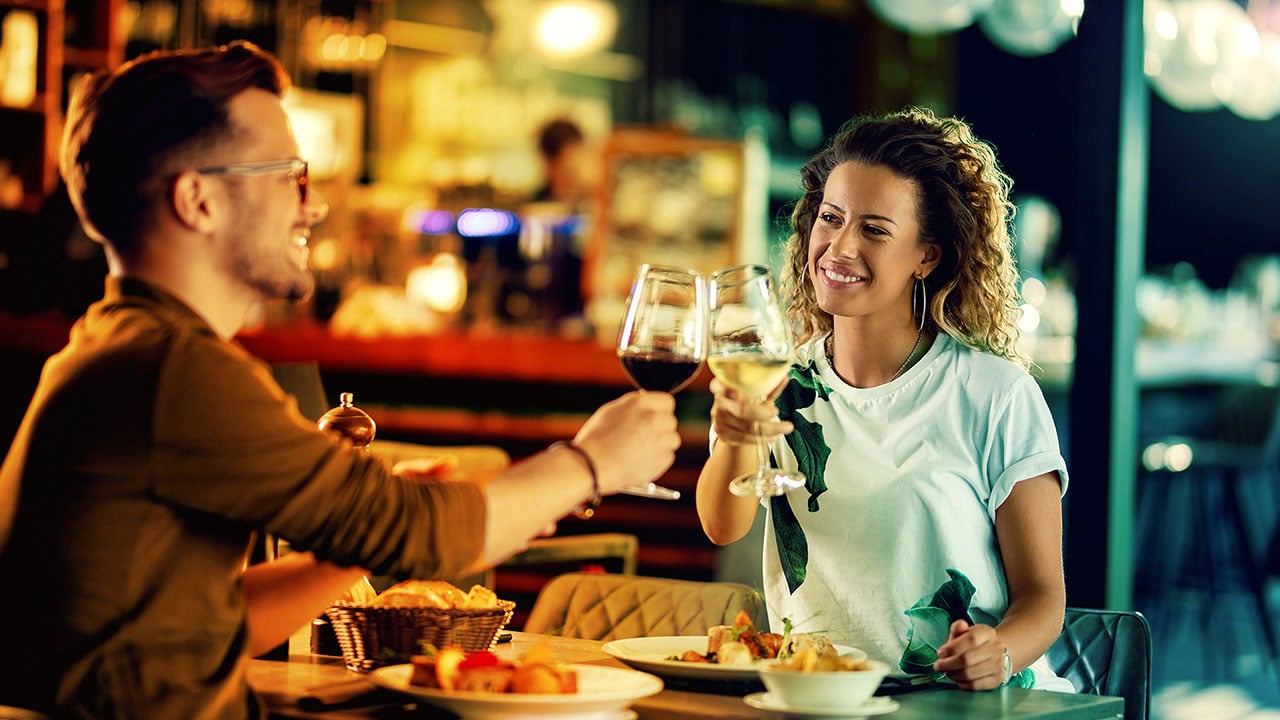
[297,169]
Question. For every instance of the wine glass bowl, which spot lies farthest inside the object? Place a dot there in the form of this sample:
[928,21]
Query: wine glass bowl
[662,341]
[749,349]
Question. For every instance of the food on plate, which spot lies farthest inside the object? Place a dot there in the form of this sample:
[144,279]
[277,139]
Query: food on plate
[796,643]
[741,644]
[453,670]
[543,680]
[435,594]
[736,645]
[811,660]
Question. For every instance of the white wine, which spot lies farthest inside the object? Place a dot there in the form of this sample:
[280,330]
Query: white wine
[750,374]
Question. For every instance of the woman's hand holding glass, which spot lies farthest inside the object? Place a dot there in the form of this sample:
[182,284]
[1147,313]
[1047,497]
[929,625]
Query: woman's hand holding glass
[739,420]
[749,351]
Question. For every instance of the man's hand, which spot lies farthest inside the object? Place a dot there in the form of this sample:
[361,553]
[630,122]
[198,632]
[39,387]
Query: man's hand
[632,440]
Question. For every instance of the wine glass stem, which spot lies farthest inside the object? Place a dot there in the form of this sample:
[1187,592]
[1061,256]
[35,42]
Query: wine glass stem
[762,452]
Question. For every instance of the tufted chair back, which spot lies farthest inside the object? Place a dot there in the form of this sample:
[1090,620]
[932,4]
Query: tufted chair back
[606,606]
[1107,652]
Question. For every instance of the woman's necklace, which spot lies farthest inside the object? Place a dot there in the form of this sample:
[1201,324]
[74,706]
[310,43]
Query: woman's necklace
[829,347]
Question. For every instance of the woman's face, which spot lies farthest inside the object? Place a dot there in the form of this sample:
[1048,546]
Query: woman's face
[864,248]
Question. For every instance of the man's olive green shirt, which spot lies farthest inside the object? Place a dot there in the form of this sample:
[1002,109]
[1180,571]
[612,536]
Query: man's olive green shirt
[150,454]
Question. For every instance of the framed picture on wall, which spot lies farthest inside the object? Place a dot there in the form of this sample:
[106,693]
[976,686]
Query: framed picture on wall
[665,199]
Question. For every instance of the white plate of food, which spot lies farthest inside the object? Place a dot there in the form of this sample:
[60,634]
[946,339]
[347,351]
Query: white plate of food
[656,655]
[603,694]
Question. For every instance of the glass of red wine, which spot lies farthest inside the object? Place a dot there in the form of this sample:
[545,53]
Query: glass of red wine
[663,339]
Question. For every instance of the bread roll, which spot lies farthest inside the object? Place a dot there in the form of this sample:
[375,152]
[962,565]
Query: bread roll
[360,593]
[480,597]
[422,593]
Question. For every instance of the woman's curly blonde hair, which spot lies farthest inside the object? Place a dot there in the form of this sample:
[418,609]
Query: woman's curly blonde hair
[964,207]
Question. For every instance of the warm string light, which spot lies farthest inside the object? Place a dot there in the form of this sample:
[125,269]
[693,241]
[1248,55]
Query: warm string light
[1199,55]
[1202,55]
[19,45]
[567,28]
[440,284]
[1022,27]
[336,43]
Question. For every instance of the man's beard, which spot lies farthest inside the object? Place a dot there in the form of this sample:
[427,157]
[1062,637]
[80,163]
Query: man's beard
[264,268]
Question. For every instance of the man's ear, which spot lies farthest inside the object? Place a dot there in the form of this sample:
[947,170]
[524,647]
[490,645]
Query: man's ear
[932,256]
[192,202]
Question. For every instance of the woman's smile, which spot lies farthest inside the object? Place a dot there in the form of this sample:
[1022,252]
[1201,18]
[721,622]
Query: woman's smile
[837,277]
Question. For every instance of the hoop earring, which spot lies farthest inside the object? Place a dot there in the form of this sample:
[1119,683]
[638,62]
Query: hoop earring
[924,302]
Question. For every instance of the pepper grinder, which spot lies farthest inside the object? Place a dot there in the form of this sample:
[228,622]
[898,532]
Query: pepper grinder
[355,425]
[349,421]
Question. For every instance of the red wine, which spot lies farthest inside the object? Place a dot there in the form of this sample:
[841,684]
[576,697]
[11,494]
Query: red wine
[659,370]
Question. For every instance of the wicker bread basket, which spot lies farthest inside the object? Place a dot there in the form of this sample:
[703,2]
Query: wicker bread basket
[365,630]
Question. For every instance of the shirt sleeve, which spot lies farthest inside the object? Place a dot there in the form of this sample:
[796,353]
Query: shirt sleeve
[1022,442]
[229,442]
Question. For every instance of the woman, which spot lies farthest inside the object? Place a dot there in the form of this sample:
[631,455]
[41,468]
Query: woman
[929,531]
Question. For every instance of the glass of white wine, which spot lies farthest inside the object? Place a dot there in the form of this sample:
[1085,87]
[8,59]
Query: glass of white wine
[749,349]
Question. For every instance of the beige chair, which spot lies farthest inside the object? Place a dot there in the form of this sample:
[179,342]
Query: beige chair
[601,606]
[623,547]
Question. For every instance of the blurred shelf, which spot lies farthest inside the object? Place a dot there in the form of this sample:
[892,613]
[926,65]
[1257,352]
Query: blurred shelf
[520,356]
[35,107]
[29,205]
[36,335]
[443,423]
[525,356]
[88,58]
[40,6]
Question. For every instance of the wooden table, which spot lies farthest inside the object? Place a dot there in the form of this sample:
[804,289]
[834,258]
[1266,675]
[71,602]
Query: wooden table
[284,684]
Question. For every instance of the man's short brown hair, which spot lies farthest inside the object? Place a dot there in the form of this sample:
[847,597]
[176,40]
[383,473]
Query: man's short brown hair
[130,130]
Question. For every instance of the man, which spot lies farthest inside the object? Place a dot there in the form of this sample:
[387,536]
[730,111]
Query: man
[155,447]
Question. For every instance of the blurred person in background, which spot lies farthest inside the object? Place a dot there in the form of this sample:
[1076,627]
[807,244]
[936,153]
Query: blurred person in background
[562,147]
[155,446]
[929,531]
[558,211]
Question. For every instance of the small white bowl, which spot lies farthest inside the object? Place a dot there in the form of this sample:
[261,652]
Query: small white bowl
[823,689]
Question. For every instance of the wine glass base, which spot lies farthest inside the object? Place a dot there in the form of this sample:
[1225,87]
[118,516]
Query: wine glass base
[651,490]
[766,483]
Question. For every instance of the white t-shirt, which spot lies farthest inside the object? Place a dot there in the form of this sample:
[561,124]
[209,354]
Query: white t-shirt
[916,470]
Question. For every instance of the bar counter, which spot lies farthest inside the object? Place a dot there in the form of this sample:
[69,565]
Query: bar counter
[284,683]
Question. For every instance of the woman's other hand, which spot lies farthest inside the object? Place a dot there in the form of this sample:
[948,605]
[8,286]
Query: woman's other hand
[972,656]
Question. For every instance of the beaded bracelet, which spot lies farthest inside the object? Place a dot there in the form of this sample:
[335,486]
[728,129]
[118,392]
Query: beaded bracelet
[587,509]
